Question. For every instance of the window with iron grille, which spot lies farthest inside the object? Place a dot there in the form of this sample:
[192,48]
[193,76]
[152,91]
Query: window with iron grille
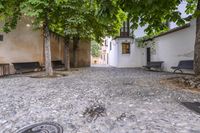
[125,48]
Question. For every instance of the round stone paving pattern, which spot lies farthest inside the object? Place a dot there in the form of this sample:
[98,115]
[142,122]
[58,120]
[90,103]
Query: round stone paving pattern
[45,127]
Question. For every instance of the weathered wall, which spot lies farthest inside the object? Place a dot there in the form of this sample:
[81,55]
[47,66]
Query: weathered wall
[26,45]
[83,53]
[22,44]
[57,48]
[176,46]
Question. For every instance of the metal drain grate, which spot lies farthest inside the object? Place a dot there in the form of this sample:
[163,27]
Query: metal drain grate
[45,127]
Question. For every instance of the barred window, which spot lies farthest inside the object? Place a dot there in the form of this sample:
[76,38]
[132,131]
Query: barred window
[125,48]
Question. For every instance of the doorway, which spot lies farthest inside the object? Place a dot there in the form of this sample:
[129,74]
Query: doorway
[148,55]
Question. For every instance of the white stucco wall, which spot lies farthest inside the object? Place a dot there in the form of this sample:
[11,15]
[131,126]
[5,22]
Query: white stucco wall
[117,59]
[113,53]
[134,59]
[176,46]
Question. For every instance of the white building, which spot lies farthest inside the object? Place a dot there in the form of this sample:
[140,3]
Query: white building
[170,47]
[175,45]
[122,50]
[124,53]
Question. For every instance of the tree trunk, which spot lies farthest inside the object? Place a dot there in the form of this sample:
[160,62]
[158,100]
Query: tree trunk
[47,49]
[66,53]
[197,45]
[75,47]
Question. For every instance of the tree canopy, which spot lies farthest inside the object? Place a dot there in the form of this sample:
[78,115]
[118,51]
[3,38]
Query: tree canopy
[95,49]
[155,14]
[10,13]
[80,18]
[151,13]
[72,19]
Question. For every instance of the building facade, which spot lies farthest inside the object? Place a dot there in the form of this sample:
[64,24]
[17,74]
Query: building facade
[170,47]
[174,45]
[24,44]
[122,49]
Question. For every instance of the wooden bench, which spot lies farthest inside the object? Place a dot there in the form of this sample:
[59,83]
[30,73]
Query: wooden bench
[154,64]
[57,64]
[23,67]
[183,64]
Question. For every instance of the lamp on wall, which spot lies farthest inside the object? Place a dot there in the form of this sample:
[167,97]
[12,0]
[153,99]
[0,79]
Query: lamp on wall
[28,25]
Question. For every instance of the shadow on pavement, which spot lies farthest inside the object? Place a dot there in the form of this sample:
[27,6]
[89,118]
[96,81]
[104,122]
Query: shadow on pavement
[194,106]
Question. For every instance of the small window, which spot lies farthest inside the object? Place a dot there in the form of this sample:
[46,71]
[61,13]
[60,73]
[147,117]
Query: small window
[1,37]
[125,48]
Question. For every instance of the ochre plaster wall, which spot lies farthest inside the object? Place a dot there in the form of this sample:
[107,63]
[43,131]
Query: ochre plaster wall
[27,45]
[57,48]
[83,53]
[22,44]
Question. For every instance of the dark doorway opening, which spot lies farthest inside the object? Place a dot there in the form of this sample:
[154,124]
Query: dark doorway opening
[148,55]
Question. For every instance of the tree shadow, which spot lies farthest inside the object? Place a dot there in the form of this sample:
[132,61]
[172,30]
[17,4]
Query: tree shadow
[194,106]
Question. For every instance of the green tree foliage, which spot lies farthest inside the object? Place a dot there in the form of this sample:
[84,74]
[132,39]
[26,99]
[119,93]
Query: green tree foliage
[81,21]
[72,19]
[9,13]
[155,14]
[95,49]
[44,13]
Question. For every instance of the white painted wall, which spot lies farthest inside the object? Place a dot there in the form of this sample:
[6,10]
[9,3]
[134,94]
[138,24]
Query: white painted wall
[176,46]
[129,60]
[113,53]
[117,59]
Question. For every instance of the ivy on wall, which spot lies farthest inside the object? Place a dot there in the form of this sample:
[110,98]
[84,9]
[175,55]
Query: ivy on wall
[147,41]
[95,49]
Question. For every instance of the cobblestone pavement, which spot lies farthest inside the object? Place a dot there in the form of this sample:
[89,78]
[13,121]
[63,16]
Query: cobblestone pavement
[132,101]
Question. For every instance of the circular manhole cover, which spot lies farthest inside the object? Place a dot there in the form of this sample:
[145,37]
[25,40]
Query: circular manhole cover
[45,127]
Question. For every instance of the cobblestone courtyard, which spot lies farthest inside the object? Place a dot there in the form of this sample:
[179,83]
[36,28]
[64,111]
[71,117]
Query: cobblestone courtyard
[133,101]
